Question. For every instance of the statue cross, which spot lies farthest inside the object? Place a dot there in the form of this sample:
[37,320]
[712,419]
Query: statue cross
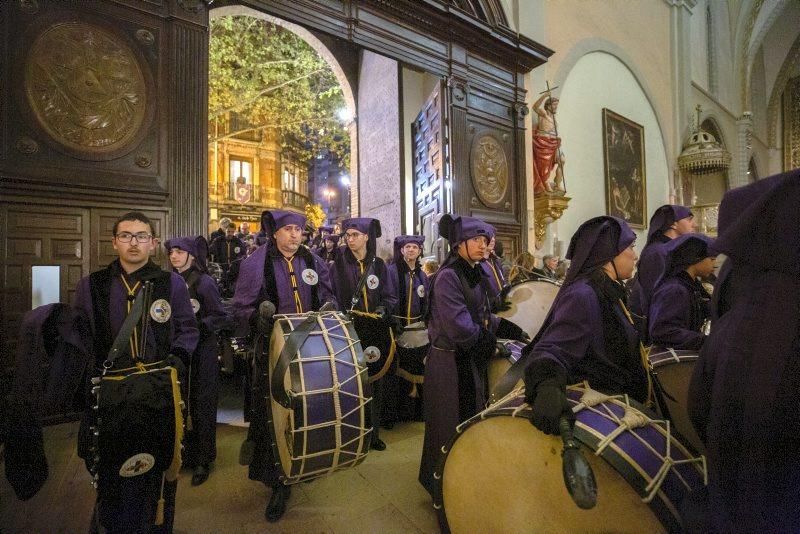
[549,89]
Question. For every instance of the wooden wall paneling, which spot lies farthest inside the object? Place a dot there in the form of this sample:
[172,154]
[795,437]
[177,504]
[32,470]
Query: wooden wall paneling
[37,235]
[429,134]
[187,174]
[54,161]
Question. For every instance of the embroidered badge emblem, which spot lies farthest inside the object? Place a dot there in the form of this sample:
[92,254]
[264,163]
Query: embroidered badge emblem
[310,277]
[196,305]
[372,354]
[372,281]
[161,311]
[137,465]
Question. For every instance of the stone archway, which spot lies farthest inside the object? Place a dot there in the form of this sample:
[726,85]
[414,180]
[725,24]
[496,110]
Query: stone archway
[338,71]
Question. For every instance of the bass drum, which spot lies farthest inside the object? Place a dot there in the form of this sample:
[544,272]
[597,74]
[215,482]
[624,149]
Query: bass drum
[672,372]
[499,366]
[326,426]
[498,461]
[530,302]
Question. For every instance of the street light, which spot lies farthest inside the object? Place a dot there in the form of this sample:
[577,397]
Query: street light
[329,193]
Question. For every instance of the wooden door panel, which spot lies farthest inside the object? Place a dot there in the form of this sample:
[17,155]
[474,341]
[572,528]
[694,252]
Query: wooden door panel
[430,164]
[34,235]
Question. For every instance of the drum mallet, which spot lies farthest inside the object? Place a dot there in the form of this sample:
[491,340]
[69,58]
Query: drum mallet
[578,474]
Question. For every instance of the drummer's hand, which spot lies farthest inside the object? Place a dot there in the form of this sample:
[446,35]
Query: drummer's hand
[508,330]
[502,351]
[264,318]
[549,406]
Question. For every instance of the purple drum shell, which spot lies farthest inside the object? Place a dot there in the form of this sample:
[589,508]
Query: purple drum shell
[620,454]
[310,373]
[515,348]
[673,490]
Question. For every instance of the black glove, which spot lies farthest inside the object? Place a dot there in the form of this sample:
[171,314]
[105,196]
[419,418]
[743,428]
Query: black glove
[264,317]
[545,391]
[502,351]
[508,330]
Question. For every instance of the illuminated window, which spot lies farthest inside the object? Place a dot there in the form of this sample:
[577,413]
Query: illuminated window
[241,171]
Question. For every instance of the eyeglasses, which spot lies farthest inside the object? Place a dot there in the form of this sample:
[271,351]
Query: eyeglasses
[350,237]
[141,237]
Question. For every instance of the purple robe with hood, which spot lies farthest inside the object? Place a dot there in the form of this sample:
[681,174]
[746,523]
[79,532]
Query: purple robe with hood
[201,439]
[102,298]
[259,280]
[410,301]
[49,377]
[266,276]
[651,260]
[462,331]
[680,304]
[743,397]
[346,271]
[412,289]
[588,334]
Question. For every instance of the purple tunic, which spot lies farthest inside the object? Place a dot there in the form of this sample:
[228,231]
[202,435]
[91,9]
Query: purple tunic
[409,307]
[345,274]
[183,326]
[454,390]
[201,443]
[494,274]
[743,395]
[677,313]
[250,286]
[574,337]
[648,271]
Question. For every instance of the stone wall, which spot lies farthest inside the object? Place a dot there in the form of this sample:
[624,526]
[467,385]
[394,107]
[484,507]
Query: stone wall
[379,181]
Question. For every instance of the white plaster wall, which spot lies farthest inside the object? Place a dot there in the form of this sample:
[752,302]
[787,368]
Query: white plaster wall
[778,40]
[416,86]
[379,145]
[724,54]
[699,48]
[600,80]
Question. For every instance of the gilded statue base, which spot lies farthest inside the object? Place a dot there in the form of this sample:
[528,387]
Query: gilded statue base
[547,208]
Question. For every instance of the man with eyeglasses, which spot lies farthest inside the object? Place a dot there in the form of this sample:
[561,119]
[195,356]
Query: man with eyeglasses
[377,296]
[286,275]
[168,327]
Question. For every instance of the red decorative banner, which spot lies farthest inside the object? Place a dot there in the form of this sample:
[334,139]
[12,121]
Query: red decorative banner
[243,193]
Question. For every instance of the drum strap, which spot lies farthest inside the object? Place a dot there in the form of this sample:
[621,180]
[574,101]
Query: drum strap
[293,343]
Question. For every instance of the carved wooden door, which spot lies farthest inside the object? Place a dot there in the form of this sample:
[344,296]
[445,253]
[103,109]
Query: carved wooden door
[44,252]
[431,165]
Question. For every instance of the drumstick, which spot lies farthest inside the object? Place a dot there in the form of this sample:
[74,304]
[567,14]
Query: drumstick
[578,474]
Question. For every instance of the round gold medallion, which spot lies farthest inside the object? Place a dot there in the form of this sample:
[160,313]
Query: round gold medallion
[489,169]
[85,87]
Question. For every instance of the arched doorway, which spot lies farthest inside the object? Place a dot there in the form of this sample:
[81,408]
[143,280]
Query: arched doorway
[281,120]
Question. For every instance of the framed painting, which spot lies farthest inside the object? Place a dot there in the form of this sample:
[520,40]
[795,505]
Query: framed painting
[623,151]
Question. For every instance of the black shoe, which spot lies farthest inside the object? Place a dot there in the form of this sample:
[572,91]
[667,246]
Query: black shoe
[276,506]
[200,474]
[378,445]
